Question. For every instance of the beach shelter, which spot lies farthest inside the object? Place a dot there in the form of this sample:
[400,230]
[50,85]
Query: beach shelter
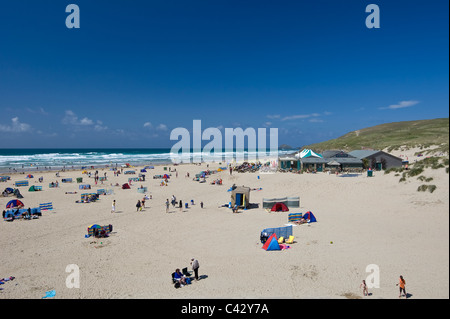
[34,188]
[166,176]
[17,193]
[14,203]
[271,243]
[143,170]
[126,186]
[29,176]
[310,216]
[279,207]
[240,196]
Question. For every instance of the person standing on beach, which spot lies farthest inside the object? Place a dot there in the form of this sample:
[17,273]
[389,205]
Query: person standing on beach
[138,205]
[113,208]
[181,205]
[402,285]
[195,265]
[167,205]
[364,288]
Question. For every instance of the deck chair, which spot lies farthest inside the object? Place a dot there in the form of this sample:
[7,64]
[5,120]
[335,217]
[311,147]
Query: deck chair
[290,240]
[281,240]
[185,272]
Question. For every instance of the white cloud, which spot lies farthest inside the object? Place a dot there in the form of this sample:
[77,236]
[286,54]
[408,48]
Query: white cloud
[15,127]
[315,120]
[400,105]
[147,124]
[299,116]
[72,119]
[86,121]
[39,110]
[162,127]
[276,116]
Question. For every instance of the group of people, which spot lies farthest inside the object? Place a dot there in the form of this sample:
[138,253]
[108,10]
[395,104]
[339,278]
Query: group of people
[182,278]
[401,284]
[173,201]
[25,215]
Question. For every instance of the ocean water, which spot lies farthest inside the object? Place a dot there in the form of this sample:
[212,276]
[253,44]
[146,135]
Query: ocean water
[19,160]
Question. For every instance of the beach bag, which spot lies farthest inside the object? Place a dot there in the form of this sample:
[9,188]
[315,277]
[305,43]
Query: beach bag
[188,281]
[177,285]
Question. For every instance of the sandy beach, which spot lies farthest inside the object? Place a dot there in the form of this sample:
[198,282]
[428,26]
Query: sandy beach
[361,221]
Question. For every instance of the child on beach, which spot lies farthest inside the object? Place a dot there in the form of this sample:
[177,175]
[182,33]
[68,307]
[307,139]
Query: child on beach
[402,284]
[113,208]
[364,288]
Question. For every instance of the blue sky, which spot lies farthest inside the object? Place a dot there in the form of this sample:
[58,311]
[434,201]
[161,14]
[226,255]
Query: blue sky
[135,70]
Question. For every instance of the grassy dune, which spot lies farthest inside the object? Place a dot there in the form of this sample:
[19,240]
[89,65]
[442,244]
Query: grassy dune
[409,134]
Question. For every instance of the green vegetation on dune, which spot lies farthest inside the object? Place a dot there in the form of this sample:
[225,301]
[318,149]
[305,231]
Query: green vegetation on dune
[422,133]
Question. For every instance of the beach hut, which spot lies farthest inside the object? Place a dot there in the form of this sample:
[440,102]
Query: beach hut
[14,203]
[240,196]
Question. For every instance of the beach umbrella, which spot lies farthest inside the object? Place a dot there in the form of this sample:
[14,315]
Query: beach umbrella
[14,203]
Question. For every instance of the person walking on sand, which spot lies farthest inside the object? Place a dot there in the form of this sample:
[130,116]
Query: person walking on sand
[364,288]
[113,208]
[138,205]
[195,265]
[167,205]
[402,285]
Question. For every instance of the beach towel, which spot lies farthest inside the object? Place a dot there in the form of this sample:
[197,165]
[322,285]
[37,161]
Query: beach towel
[49,294]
